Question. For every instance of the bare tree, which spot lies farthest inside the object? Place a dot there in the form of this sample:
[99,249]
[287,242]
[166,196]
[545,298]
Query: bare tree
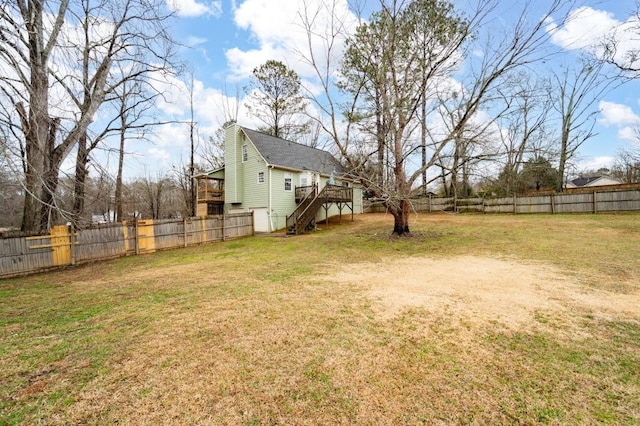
[392,62]
[157,194]
[626,166]
[191,202]
[618,51]
[576,93]
[213,150]
[183,182]
[25,53]
[70,48]
[523,131]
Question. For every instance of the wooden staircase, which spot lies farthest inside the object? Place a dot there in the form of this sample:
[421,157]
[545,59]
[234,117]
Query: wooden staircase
[307,209]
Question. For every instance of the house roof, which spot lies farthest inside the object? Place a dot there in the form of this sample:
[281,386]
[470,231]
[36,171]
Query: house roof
[292,155]
[593,181]
[583,181]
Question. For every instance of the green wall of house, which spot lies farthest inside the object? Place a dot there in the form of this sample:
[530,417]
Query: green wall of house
[232,164]
[283,202]
[256,195]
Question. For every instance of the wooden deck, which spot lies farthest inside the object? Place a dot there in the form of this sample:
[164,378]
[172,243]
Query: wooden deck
[310,201]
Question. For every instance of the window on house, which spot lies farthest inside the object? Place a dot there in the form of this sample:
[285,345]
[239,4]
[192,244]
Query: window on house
[303,181]
[287,182]
[260,177]
[245,153]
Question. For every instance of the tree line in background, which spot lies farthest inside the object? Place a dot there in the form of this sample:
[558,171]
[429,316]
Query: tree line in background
[389,99]
[163,196]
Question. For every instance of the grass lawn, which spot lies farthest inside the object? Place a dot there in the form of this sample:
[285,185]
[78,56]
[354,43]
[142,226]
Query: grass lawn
[488,319]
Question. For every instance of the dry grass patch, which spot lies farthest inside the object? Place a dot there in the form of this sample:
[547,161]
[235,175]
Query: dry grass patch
[476,319]
[483,290]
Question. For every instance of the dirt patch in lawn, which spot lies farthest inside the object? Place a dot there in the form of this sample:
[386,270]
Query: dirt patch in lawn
[484,290]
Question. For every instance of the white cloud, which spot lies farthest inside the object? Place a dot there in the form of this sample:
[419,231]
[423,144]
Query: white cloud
[629,134]
[585,28]
[614,114]
[193,8]
[589,29]
[596,163]
[159,154]
[279,33]
[193,41]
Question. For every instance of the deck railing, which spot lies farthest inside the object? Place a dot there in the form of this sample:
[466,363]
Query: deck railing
[209,194]
[338,193]
[303,191]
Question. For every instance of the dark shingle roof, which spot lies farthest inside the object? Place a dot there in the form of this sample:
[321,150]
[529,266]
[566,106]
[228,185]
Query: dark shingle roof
[291,155]
[584,180]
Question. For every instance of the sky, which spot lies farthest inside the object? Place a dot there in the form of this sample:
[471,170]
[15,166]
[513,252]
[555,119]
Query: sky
[224,40]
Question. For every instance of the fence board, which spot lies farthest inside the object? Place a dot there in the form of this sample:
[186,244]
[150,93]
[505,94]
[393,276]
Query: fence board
[24,255]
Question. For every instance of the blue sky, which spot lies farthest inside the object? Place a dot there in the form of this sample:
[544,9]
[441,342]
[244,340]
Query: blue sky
[224,40]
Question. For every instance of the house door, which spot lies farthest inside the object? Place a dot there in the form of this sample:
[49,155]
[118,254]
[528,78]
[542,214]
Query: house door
[260,220]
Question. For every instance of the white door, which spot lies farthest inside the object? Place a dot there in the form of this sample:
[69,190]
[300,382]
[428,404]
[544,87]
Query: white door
[260,220]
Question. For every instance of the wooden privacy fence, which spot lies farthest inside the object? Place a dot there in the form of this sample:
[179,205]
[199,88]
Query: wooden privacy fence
[584,202]
[62,247]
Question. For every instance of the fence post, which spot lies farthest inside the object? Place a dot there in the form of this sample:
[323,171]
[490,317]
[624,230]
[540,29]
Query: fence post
[595,202]
[184,224]
[553,204]
[125,236]
[429,203]
[515,204]
[137,239]
[72,241]
[223,230]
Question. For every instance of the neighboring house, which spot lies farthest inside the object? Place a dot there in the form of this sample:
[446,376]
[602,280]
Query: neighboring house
[277,180]
[585,182]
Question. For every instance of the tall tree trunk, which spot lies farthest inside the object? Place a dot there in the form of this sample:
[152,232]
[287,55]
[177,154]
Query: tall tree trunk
[50,179]
[564,146]
[423,142]
[561,169]
[118,195]
[401,218]
[453,184]
[192,189]
[33,125]
[48,214]
[36,126]
[380,136]
[82,159]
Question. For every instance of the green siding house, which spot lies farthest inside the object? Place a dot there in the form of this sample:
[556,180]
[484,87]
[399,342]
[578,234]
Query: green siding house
[277,179]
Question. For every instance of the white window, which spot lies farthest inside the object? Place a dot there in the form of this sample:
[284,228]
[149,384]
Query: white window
[260,177]
[245,153]
[303,180]
[287,182]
